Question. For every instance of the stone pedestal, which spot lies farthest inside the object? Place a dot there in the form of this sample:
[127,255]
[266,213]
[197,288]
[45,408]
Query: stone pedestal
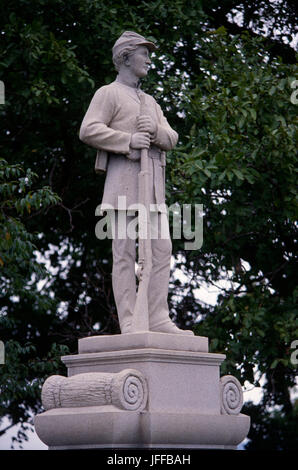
[142,390]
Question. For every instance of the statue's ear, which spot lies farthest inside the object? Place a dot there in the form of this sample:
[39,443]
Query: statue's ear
[126,59]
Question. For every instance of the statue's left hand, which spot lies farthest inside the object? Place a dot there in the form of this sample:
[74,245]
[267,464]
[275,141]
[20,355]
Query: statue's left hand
[145,123]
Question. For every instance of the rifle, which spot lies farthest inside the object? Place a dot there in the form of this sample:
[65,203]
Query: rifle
[140,320]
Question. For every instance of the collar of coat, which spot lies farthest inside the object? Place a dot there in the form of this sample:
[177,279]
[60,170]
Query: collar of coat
[132,92]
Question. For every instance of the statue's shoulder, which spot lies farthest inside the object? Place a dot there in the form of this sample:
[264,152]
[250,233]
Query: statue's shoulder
[107,89]
[106,94]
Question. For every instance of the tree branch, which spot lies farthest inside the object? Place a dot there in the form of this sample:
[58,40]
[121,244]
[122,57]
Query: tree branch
[3,431]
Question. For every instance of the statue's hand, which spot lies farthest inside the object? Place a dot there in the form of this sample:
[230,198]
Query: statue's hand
[140,140]
[145,123]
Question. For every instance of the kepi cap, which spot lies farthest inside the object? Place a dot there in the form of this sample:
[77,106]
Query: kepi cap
[130,38]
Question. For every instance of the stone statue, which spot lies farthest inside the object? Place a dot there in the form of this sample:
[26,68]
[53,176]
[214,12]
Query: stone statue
[123,123]
[155,386]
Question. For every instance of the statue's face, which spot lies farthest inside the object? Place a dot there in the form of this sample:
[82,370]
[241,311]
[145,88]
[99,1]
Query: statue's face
[139,61]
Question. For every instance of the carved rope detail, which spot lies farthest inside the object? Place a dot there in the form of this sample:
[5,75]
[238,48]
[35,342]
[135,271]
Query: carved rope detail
[231,395]
[126,390]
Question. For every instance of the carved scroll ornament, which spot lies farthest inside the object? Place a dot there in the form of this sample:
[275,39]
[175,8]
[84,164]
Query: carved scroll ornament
[126,390]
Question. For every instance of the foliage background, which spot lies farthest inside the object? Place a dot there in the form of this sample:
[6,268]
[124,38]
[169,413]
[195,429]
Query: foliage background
[223,75]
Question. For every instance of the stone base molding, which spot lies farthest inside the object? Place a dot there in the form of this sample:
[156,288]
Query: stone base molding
[108,427]
[142,390]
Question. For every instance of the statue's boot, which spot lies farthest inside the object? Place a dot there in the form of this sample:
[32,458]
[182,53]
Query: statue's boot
[167,326]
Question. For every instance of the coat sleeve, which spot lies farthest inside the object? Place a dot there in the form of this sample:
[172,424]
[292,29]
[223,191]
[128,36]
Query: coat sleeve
[165,138]
[95,130]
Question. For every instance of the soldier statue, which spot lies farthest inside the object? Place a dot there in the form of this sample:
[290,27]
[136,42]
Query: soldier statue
[116,127]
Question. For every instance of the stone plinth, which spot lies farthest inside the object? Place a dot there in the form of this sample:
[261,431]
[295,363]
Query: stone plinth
[187,404]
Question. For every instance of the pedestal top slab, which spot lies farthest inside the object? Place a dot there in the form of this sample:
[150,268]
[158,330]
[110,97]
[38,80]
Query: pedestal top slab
[143,340]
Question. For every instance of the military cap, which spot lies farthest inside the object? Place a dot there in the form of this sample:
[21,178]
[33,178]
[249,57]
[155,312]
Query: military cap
[130,38]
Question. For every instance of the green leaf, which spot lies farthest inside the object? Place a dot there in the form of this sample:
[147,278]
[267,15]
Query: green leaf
[253,113]
[238,174]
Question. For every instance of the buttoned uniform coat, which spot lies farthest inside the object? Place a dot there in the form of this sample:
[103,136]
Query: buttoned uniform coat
[108,125]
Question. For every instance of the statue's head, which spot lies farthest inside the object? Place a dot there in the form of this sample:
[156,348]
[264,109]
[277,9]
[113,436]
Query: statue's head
[127,45]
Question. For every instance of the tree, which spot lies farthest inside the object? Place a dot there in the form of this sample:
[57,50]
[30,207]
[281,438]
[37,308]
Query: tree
[240,161]
[20,274]
[51,65]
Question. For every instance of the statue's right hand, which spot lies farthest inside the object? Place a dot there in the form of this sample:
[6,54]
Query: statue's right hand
[140,140]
